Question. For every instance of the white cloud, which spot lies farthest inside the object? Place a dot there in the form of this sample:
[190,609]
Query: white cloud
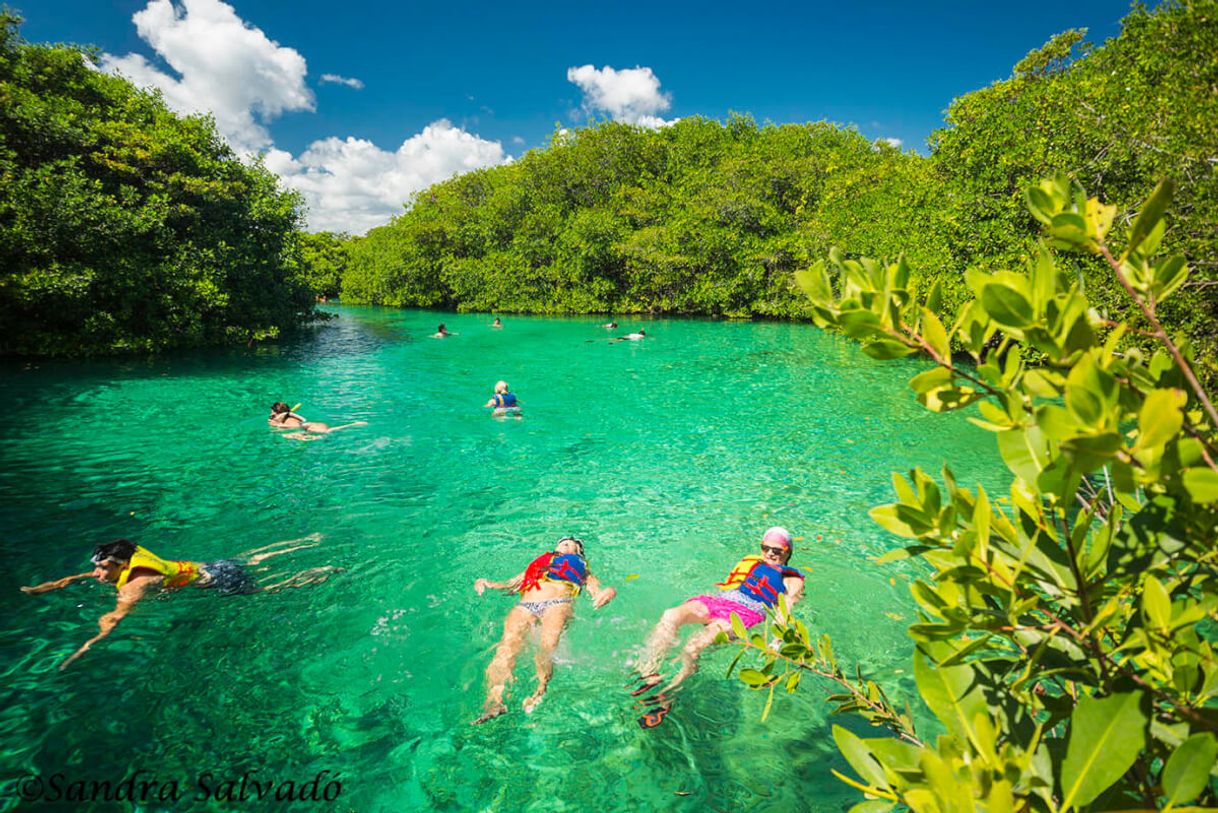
[352,185]
[334,78]
[631,95]
[226,67]
[893,142]
[518,141]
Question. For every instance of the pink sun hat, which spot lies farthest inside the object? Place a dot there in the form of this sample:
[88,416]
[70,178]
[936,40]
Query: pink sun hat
[778,536]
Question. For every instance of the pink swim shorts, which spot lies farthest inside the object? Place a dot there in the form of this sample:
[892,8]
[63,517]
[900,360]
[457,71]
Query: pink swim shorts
[722,608]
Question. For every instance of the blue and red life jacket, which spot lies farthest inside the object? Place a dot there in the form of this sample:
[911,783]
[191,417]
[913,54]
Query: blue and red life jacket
[505,400]
[759,580]
[555,567]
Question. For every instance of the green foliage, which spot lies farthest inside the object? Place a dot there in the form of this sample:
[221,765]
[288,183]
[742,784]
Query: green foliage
[699,217]
[711,218]
[323,258]
[1065,639]
[124,227]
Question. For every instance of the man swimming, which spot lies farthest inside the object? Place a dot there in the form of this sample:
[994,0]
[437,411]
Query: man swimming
[137,572]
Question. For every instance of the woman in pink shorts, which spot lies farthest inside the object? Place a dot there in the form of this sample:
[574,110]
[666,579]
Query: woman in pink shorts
[752,587]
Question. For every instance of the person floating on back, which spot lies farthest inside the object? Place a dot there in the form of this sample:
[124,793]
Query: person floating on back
[547,587]
[138,572]
[752,588]
[282,417]
[504,402]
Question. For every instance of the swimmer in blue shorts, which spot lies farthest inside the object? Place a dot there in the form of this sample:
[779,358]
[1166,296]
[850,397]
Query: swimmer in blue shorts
[547,587]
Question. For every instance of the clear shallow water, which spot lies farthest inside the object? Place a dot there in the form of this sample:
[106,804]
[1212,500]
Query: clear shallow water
[669,457]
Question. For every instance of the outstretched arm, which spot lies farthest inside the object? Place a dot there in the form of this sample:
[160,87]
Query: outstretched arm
[600,595]
[509,586]
[46,587]
[128,595]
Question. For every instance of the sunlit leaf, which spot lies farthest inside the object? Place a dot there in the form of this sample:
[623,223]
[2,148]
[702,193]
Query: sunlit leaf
[1105,738]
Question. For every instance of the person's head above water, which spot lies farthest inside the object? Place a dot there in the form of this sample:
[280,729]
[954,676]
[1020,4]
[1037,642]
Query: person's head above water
[279,408]
[570,544]
[110,558]
[776,544]
[441,328]
[501,387]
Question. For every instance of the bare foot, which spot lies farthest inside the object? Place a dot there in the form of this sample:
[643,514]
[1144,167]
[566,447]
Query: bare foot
[491,712]
[535,700]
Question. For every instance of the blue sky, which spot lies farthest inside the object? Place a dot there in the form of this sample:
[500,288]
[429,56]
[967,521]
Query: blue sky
[418,91]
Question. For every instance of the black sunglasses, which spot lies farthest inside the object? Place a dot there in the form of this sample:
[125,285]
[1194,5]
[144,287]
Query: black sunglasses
[775,551]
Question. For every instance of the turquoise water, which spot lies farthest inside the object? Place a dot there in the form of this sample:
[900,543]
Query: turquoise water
[669,457]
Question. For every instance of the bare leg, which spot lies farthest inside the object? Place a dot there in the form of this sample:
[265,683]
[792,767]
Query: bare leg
[314,575]
[325,430]
[553,622]
[665,635]
[313,538]
[499,672]
[693,648]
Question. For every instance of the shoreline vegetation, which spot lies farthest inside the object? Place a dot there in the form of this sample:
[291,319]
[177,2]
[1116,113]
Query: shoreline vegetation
[127,228]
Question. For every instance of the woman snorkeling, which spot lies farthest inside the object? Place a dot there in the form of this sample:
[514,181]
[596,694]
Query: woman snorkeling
[547,587]
[282,417]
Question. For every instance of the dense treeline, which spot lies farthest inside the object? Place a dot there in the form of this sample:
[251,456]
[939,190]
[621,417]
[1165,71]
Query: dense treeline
[711,218]
[126,227]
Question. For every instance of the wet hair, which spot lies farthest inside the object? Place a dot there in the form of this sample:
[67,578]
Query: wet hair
[279,407]
[579,543]
[120,550]
[441,328]
[501,386]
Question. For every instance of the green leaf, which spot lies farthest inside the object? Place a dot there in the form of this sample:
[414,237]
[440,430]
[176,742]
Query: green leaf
[887,349]
[1160,418]
[1151,214]
[814,282]
[1008,307]
[1156,603]
[1070,228]
[935,335]
[738,628]
[1187,772]
[932,379]
[859,756]
[952,693]
[753,677]
[1201,484]
[1025,451]
[1106,736]
[1169,275]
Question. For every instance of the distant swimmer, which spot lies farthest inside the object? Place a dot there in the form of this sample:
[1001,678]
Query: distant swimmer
[505,403]
[750,590]
[610,326]
[138,572]
[282,417]
[547,587]
[497,322]
[442,332]
[631,337]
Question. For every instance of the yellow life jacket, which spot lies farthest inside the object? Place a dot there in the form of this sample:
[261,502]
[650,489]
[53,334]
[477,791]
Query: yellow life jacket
[177,574]
[740,572]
